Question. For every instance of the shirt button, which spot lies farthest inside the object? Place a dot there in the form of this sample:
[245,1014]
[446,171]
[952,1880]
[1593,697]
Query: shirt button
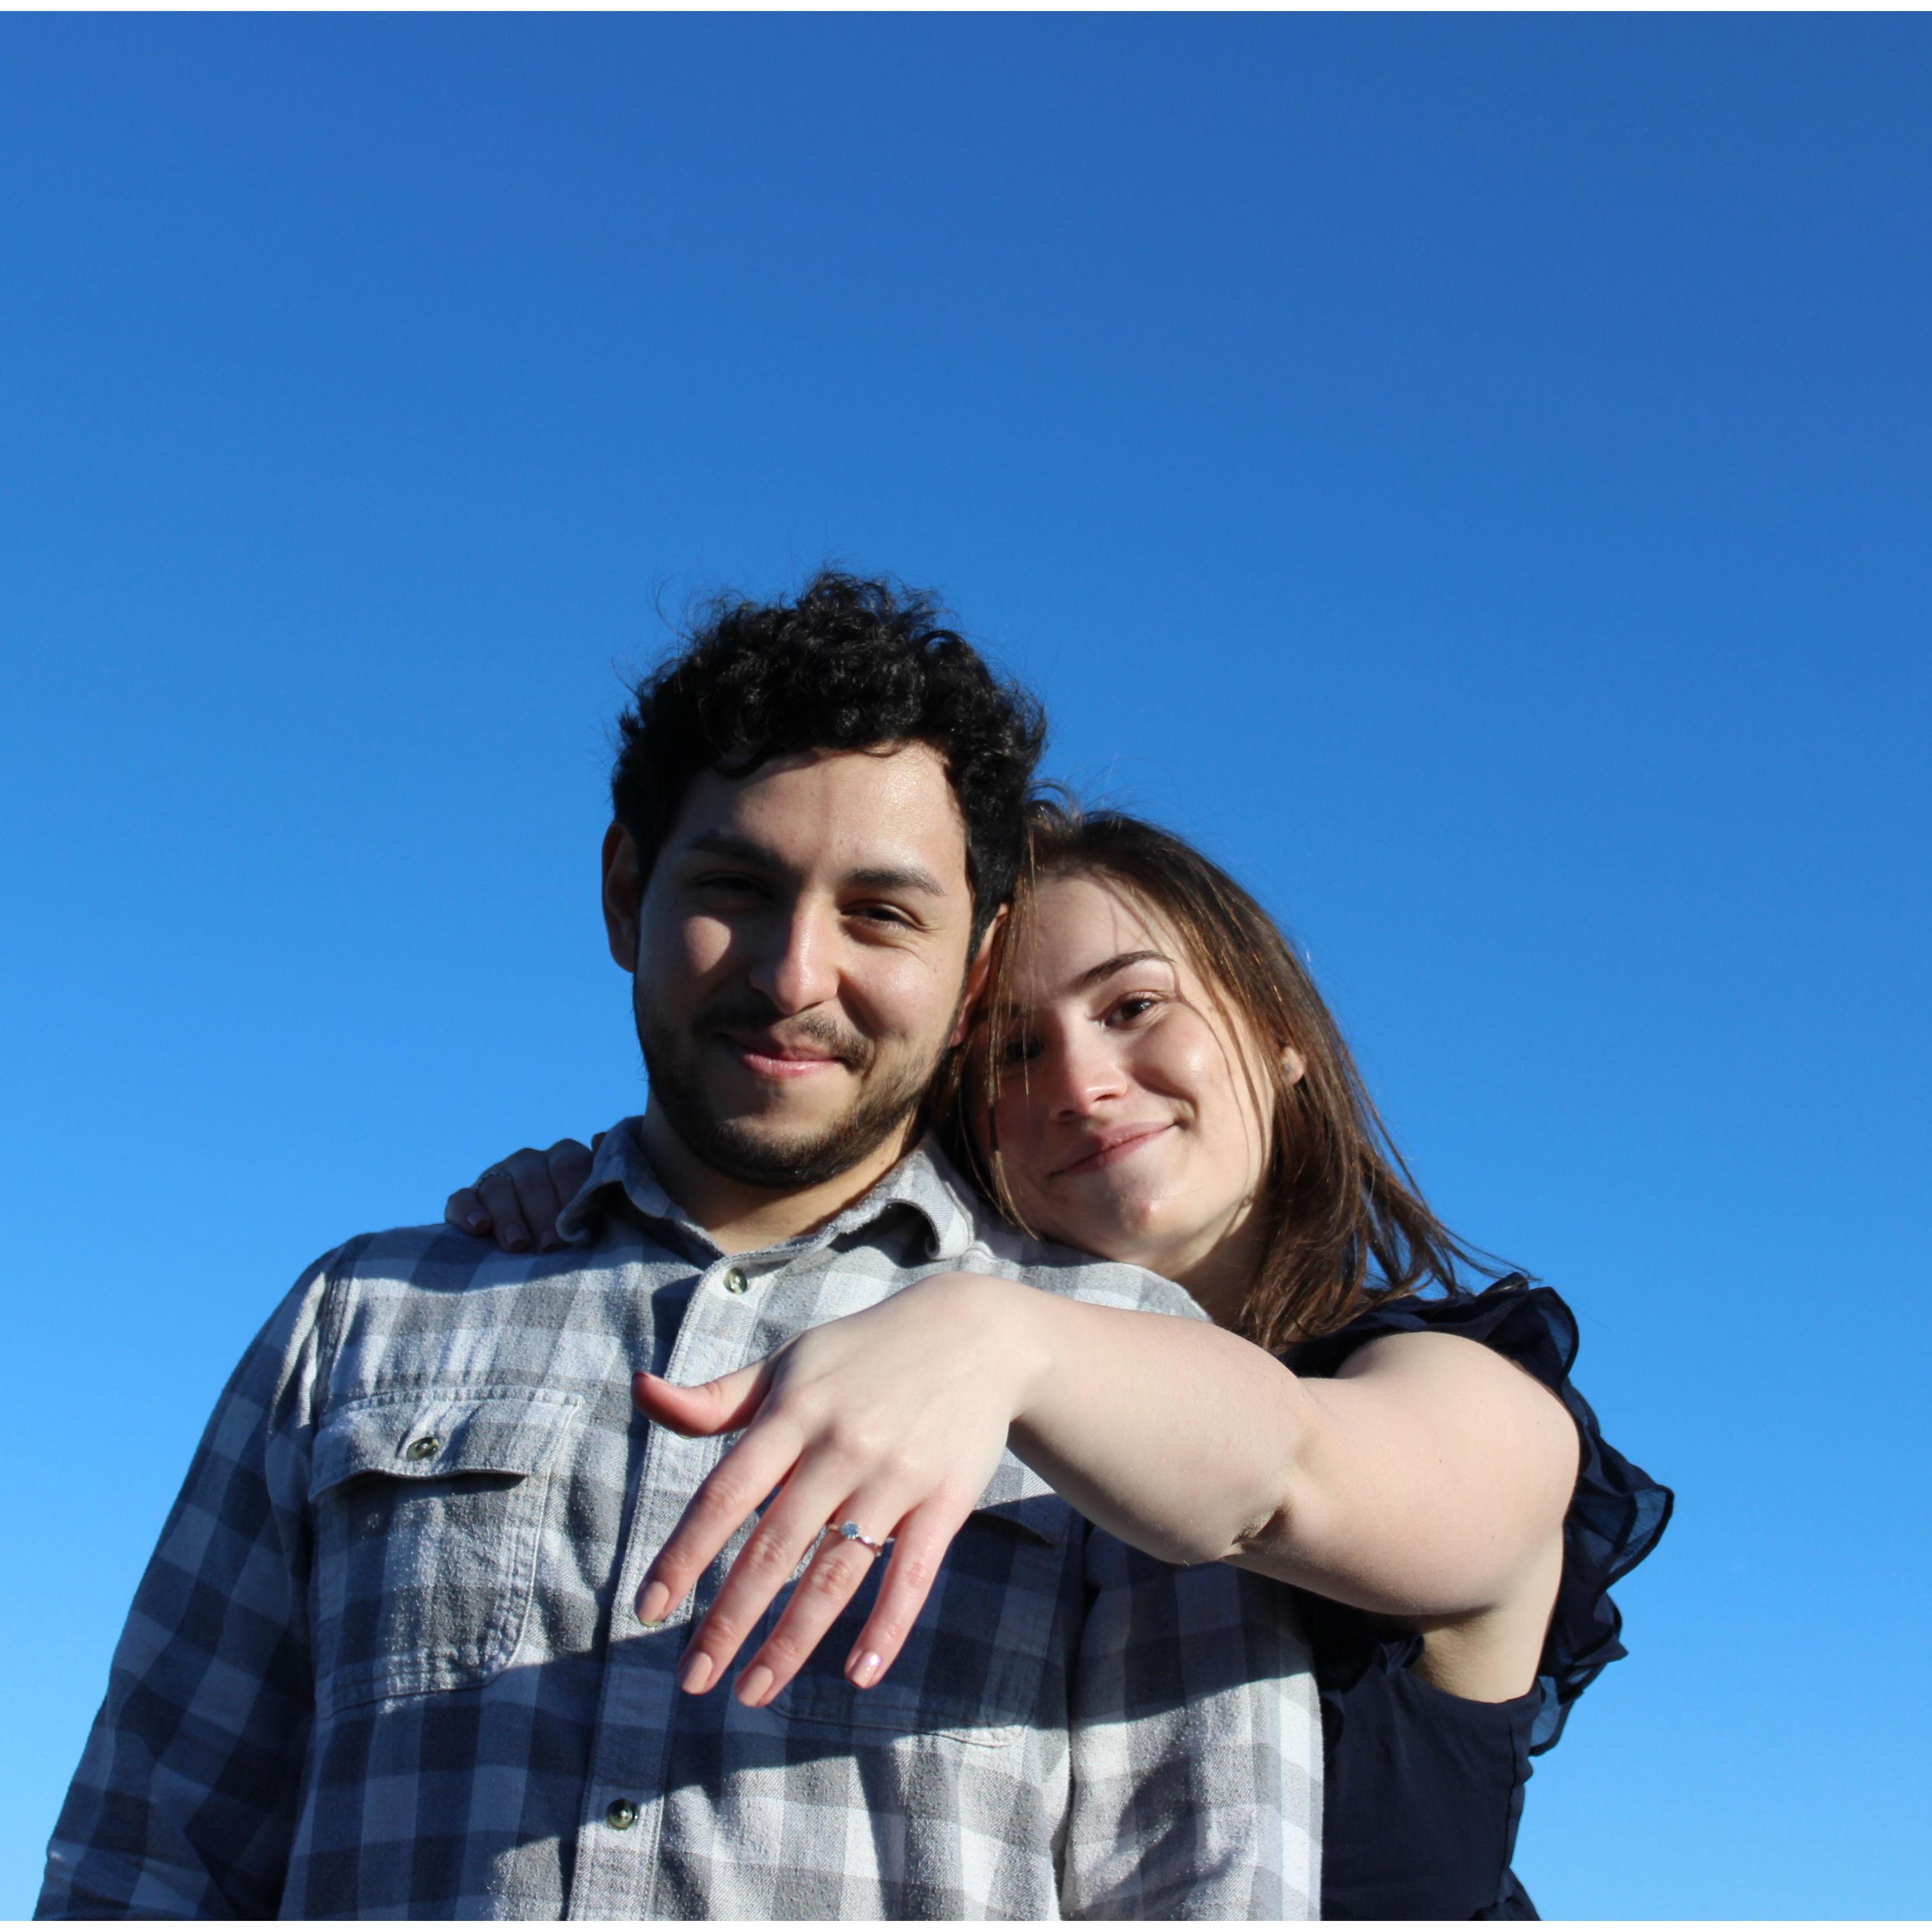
[423,1448]
[735,1282]
[622,1815]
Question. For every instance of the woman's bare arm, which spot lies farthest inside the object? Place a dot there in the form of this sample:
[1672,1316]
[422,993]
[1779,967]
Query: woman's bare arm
[1416,1483]
[1428,1481]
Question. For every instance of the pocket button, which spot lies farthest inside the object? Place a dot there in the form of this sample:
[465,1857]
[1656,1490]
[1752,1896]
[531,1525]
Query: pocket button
[622,1815]
[423,1448]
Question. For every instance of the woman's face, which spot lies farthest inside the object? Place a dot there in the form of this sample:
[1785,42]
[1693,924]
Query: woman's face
[1126,1118]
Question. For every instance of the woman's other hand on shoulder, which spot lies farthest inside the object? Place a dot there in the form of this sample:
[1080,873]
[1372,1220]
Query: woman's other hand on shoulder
[518,1198]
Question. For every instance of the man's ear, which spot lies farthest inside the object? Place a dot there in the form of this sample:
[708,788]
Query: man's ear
[977,974]
[623,895]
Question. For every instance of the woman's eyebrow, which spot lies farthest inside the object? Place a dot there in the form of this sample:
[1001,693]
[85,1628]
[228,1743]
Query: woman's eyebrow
[1107,968]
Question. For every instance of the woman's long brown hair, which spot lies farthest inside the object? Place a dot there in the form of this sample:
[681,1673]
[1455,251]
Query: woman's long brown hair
[1346,1225]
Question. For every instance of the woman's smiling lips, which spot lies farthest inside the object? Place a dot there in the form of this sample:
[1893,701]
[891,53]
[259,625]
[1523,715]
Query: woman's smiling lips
[1113,1144]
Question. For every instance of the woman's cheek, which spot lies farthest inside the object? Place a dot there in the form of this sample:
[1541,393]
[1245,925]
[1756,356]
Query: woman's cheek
[1018,1155]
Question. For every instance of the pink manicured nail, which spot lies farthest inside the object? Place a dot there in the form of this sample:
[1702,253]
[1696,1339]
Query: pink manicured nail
[865,1669]
[696,1678]
[755,1687]
[652,1605]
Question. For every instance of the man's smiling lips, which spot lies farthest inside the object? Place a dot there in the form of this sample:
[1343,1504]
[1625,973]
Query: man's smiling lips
[772,1059]
[1111,1145]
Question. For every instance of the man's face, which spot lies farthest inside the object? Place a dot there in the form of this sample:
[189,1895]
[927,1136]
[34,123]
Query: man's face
[801,950]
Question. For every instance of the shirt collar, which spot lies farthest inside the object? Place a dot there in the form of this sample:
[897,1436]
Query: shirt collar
[925,1181]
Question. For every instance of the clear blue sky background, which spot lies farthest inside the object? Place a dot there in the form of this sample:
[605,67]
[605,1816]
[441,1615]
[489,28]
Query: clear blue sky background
[1472,473]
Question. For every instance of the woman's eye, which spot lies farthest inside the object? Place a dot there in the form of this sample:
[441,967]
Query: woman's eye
[1135,1006]
[1018,1052]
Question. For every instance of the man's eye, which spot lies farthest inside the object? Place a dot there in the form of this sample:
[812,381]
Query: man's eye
[880,915]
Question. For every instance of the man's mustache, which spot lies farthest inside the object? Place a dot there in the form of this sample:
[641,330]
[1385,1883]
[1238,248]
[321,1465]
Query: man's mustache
[745,1012]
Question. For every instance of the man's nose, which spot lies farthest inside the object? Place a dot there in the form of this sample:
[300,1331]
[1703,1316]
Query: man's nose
[797,967]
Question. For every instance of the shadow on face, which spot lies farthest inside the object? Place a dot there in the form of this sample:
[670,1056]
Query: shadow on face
[799,956]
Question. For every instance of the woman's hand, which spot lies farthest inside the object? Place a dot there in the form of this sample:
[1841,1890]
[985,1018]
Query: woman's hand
[894,1420]
[520,1198]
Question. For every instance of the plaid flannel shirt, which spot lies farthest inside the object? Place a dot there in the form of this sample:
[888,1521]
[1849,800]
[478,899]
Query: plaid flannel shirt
[383,1664]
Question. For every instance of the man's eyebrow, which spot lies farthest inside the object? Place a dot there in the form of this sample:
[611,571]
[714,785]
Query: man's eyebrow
[1119,962]
[896,879]
[908,878]
[736,845]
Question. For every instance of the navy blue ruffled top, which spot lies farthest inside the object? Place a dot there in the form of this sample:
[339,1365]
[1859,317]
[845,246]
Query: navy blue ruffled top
[1423,1790]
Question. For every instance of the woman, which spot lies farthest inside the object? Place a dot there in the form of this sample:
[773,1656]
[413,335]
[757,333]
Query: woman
[1154,1079]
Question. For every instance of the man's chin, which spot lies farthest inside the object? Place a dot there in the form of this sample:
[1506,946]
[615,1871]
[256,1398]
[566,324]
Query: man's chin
[752,1151]
[797,1114]
[802,1103]
[785,1135]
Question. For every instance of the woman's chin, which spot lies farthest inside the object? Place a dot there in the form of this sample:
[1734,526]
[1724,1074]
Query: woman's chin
[1122,1228]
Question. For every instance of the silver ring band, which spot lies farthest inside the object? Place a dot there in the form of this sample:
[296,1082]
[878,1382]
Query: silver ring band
[852,1533]
[493,1174]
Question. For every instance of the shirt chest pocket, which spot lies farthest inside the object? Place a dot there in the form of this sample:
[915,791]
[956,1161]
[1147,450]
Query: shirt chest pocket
[428,1509]
[986,1660]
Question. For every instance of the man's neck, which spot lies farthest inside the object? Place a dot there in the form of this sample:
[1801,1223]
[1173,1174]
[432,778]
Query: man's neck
[741,1218]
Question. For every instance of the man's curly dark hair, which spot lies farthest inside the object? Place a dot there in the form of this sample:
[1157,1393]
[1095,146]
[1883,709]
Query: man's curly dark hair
[849,663]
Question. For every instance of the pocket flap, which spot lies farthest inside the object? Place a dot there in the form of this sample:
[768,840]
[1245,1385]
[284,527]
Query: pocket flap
[414,1433]
[1020,1498]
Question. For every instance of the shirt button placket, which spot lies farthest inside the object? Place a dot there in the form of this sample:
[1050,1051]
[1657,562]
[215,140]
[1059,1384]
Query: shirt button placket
[638,1710]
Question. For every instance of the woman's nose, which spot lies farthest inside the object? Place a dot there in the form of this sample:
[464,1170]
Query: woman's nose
[1081,1075]
[797,966]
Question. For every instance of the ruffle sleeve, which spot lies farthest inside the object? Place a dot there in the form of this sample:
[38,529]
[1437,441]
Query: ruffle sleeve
[1617,1512]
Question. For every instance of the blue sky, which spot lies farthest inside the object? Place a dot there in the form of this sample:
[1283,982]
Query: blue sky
[1473,474]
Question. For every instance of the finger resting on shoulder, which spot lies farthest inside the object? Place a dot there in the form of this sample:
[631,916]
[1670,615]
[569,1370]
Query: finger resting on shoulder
[569,1163]
[536,1203]
[464,1209]
[498,1193]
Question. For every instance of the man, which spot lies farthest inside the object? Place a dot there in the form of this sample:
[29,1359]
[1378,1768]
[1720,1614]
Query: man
[385,1661]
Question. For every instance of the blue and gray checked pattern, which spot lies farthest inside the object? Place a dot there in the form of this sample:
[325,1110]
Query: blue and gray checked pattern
[382,1663]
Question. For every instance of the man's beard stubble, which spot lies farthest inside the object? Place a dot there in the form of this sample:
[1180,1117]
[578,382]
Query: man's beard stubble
[739,1151]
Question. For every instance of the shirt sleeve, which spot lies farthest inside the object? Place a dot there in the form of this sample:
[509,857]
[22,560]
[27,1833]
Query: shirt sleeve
[184,1802]
[1196,1746]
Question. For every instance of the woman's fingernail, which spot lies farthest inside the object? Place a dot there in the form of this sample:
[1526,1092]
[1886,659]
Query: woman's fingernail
[513,1236]
[696,1679]
[863,1669]
[476,1223]
[754,1687]
[652,1605]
